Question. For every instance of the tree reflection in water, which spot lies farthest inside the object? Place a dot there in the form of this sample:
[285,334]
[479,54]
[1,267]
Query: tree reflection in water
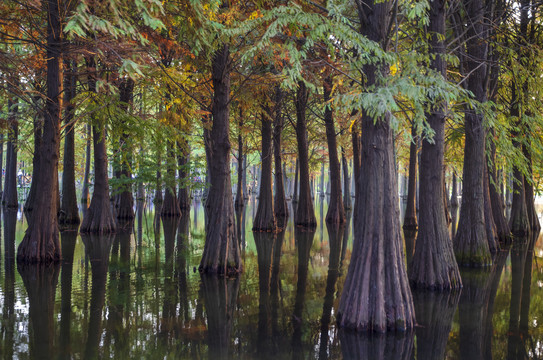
[376,347]
[8,306]
[97,249]
[68,239]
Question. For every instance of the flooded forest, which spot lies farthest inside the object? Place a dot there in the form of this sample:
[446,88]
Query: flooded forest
[327,179]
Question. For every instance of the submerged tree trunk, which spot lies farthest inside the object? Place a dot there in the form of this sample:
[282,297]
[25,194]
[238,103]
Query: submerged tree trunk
[183,159]
[376,294]
[9,197]
[470,243]
[99,216]
[410,216]
[336,210]
[86,176]
[265,216]
[279,201]
[221,249]
[69,213]
[434,266]
[124,202]
[41,240]
[170,207]
[305,213]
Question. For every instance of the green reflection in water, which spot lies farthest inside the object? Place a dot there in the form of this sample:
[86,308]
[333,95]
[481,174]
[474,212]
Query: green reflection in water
[137,295]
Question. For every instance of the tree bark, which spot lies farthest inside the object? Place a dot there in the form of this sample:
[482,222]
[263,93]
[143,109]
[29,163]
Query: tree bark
[221,249]
[296,182]
[502,228]
[347,203]
[279,201]
[9,197]
[240,200]
[38,133]
[491,230]
[434,266]
[99,216]
[376,295]
[183,162]
[265,216]
[305,213]
[410,217]
[124,200]
[69,213]
[470,243]
[170,207]
[533,220]
[336,209]
[86,176]
[41,240]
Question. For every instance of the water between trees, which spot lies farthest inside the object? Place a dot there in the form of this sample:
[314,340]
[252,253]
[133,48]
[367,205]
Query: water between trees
[137,294]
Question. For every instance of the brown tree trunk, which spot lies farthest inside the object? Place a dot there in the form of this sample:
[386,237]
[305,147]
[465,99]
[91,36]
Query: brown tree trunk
[41,242]
[221,249]
[305,213]
[347,203]
[502,228]
[9,197]
[454,192]
[434,266]
[170,207]
[69,213]
[491,230]
[99,216]
[279,201]
[470,243]
[240,200]
[336,210]
[265,216]
[183,159]
[410,216]
[376,294]
[124,202]
[38,133]
[86,176]
[296,183]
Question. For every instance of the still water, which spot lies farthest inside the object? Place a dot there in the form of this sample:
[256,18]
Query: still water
[136,294]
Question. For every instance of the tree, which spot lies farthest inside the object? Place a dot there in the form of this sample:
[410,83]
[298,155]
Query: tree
[377,274]
[41,242]
[279,201]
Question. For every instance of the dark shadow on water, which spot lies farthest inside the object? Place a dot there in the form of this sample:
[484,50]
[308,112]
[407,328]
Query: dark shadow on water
[304,241]
[40,282]
[67,242]
[97,248]
[335,238]
[356,346]
[434,313]
[220,295]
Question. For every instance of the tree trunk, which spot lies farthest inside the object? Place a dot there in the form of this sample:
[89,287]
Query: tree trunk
[38,133]
[502,228]
[279,201]
[376,294]
[355,137]
[305,213]
[491,231]
[99,216]
[470,243]
[265,216]
[240,200]
[183,162]
[124,202]
[296,182]
[86,176]
[221,249]
[529,192]
[336,209]
[170,207]
[9,197]
[41,242]
[69,213]
[347,203]
[454,192]
[410,216]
